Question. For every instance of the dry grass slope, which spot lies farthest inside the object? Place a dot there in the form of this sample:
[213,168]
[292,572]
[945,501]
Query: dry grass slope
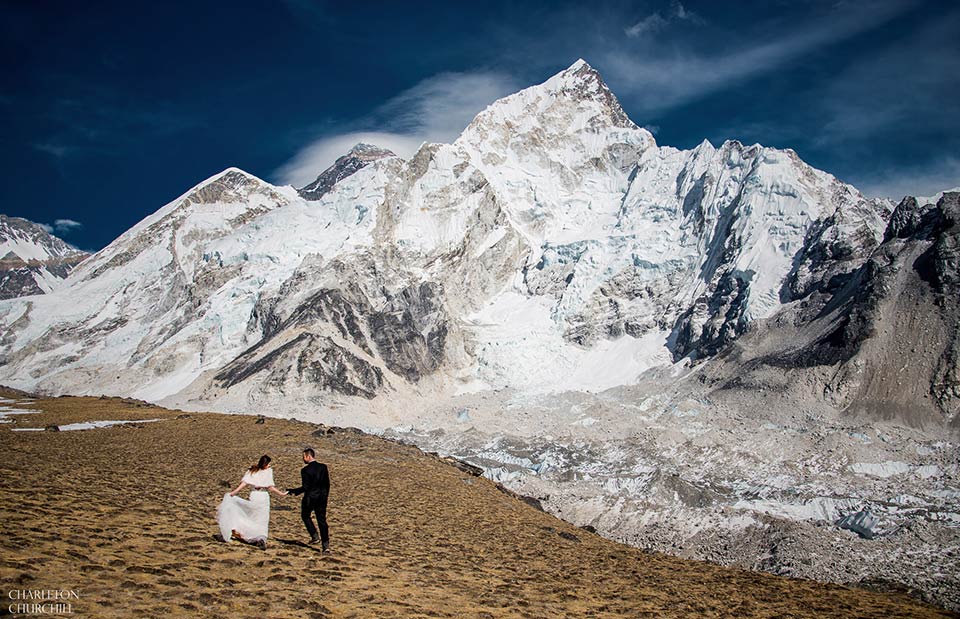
[125,515]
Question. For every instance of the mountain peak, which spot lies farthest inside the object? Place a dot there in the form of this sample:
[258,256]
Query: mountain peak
[31,241]
[583,82]
[574,99]
[221,186]
[360,156]
[579,65]
[369,151]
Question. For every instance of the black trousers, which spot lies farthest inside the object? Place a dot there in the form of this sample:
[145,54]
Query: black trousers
[318,505]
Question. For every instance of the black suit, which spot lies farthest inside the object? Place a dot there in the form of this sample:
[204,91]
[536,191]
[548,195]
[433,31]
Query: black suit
[315,488]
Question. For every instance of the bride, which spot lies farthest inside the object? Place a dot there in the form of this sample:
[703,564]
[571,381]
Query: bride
[248,520]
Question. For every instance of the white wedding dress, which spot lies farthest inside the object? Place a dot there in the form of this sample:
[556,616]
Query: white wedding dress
[248,517]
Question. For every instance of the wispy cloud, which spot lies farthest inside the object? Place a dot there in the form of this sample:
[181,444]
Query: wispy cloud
[435,110]
[658,77]
[61,226]
[649,24]
[310,13]
[317,156]
[441,106]
[655,22]
[903,87]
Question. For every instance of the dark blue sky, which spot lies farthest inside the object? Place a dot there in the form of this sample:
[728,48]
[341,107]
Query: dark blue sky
[112,109]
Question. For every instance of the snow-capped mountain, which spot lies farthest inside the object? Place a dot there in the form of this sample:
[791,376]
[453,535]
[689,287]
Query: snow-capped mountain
[32,261]
[551,235]
[680,348]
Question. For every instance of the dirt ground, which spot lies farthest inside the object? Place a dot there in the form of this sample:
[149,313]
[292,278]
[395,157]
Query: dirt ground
[125,516]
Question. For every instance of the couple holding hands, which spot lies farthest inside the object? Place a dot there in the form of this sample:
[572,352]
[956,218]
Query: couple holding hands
[249,519]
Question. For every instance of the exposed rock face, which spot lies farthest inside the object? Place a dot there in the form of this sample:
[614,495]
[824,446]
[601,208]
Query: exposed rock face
[945,256]
[714,321]
[306,359]
[359,156]
[833,249]
[946,249]
[335,340]
[880,340]
[411,330]
[32,261]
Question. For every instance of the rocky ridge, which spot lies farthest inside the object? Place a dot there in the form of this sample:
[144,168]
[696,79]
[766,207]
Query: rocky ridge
[32,261]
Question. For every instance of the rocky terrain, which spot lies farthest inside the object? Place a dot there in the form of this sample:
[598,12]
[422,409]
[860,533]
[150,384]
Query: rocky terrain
[880,342]
[721,353]
[32,261]
[798,492]
[125,516]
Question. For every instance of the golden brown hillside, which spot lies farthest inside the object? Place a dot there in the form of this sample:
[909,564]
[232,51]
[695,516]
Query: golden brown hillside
[125,516]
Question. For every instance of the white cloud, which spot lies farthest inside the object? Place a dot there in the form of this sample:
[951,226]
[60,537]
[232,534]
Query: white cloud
[649,24]
[686,14]
[61,226]
[656,22]
[435,110]
[65,225]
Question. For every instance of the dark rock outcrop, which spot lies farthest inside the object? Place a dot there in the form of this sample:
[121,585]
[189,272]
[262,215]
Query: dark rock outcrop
[411,331]
[307,358]
[336,340]
[722,313]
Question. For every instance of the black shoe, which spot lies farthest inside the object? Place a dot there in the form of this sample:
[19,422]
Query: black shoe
[314,540]
[326,547]
[219,538]
[262,544]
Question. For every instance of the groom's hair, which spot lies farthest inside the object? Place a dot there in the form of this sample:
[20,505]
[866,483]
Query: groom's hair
[310,452]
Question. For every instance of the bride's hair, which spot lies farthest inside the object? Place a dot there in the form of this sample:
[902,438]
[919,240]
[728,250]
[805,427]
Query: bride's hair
[261,464]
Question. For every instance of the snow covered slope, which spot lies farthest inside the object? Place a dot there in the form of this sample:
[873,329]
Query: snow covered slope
[32,261]
[552,246]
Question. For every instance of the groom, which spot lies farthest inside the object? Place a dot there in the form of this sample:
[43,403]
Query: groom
[315,489]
